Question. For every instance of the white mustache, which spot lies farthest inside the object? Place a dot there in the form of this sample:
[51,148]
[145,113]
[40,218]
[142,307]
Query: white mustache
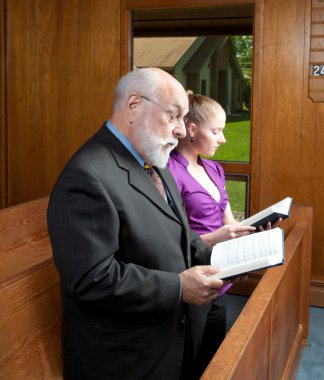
[173,142]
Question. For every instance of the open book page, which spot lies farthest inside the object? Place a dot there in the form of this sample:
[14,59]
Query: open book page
[271,214]
[250,252]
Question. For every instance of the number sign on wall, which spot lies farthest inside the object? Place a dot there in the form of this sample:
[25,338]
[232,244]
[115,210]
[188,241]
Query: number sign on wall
[316,70]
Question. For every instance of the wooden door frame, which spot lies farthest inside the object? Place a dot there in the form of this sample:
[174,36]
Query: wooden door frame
[252,169]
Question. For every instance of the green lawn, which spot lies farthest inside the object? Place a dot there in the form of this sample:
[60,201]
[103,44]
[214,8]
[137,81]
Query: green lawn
[236,191]
[237,134]
[237,148]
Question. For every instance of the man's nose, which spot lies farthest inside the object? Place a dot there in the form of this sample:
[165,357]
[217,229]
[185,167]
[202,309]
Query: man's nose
[179,130]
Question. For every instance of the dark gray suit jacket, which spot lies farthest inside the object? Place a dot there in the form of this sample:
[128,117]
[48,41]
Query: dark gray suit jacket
[118,248]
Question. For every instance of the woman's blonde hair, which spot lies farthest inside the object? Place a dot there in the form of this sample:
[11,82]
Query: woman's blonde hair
[201,108]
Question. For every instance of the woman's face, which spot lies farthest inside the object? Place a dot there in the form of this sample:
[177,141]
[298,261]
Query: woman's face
[209,136]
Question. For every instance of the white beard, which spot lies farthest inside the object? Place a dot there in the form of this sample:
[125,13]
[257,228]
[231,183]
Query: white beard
[156,149]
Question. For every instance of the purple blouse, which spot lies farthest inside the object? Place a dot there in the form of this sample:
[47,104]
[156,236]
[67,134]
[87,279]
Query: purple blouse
[205,214]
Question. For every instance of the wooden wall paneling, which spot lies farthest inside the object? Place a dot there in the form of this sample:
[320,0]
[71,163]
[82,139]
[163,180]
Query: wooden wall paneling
[289,79]
[66,86]
[318,199]
[106,59]
[268,105]
[18,91]
[126,38]
[316,82]
[42,122]
[256,114]
[3,111]
[154,4]
[307,179]
[64,64]
[312,173]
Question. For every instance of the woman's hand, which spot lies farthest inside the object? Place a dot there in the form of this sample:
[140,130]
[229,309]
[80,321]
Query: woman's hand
[270,226]
[226,232]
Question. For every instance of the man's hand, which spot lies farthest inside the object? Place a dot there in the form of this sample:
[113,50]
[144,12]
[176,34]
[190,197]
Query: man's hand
[198,286]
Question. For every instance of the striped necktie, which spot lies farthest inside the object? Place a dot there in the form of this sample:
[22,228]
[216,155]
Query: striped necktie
[156,180]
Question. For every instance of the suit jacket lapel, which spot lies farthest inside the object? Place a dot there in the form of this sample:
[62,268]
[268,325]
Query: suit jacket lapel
[138,177]
[173,191]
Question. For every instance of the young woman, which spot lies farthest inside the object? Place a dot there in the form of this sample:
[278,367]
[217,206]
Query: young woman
[201,183]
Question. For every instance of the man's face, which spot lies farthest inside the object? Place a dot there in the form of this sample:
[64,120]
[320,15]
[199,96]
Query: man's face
[162,125]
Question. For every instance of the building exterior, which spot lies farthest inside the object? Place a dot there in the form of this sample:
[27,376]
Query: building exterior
[205,65]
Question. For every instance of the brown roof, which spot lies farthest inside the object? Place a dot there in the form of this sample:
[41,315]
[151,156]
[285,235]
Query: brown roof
[162,52]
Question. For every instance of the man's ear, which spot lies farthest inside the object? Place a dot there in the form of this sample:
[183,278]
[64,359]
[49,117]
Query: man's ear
[132,106]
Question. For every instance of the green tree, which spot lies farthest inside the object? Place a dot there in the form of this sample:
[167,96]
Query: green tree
[244,55]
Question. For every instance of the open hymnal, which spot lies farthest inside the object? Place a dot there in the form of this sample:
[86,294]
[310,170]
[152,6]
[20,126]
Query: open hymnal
[270,214]
[248,253]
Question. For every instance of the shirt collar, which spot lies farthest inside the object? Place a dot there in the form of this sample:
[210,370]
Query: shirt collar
[184,162]
[124,140]
[180,158]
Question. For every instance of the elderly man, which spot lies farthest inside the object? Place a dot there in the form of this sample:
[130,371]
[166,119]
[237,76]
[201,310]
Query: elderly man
[121,241]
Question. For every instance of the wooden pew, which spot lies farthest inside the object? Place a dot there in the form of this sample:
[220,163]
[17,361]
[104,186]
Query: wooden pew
[265,342]
[29,296]
[267,339]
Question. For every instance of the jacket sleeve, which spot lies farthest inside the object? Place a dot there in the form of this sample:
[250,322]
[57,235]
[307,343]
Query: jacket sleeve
[200,252]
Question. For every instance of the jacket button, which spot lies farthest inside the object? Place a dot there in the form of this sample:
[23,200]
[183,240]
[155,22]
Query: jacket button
[183,319]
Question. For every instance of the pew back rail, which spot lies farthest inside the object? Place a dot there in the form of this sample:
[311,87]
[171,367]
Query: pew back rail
[267,339]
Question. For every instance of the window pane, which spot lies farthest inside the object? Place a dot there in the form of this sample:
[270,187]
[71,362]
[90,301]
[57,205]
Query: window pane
[237,134]
[236,188]
[217,66]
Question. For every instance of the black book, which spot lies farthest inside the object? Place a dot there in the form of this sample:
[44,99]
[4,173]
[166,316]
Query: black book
[270,214]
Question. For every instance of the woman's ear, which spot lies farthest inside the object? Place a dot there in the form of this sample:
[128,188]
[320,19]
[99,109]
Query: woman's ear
[132,106]
[191,128]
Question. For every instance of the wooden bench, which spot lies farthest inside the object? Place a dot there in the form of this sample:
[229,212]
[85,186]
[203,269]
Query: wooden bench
[265,342]
[29,296]
[267,339]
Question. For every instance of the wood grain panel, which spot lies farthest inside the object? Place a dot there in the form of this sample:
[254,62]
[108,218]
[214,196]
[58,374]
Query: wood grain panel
[308,125]
[267,107]
[30,325]
[291,136]
[267,338]
[3,113]
[64,64]
[22,229]
[317,198]
[256,114]
[30,316]
[316,82]
[290,60]
[154,4]
[254,322]
[283,333]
